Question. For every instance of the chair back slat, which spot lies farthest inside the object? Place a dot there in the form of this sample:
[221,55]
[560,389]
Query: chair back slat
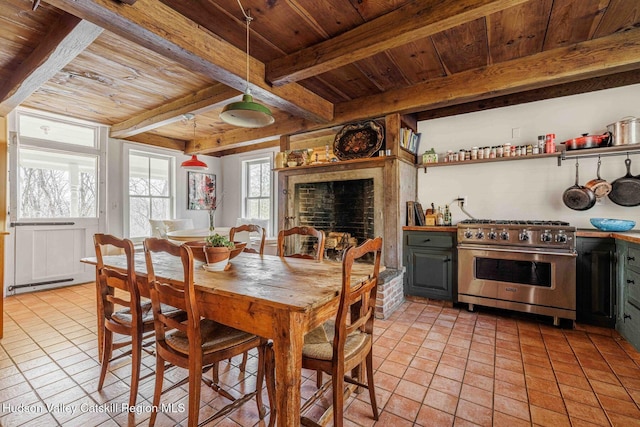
[250,228]
[358,301]
[109,279]
[302,231]
[178,294]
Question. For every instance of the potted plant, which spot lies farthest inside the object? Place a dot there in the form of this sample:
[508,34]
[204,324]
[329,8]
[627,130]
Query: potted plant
[217,250]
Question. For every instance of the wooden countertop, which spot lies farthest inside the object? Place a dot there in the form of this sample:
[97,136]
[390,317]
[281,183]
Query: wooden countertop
[629,236]
[446,229]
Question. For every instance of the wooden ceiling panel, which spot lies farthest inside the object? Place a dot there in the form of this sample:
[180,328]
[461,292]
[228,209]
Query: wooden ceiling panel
[371,9]
[573,22]
[518,31]
[382,72]
[464,47]
[418,61]
[324,89]
[332,16]
[350,81]
[621,15]
[117,80]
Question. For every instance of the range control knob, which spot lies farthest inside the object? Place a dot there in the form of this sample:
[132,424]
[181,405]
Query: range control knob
[561,237]
[504,234]
[480,234]
[492,234]
[523,236]
[546,236]
[468,234]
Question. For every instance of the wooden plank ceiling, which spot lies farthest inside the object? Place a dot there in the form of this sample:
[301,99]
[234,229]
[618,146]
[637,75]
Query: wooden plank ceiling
[316,63]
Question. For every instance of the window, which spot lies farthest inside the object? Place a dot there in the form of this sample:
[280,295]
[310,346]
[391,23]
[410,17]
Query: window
[57,168]
[150,190]
[257,201]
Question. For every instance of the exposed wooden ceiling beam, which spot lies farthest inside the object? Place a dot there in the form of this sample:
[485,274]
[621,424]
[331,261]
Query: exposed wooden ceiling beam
[238,150]
[154,25]
[66,39]
[566,89]
[414,21]
[617,53]
[196,103]
[607,55]
[159,141]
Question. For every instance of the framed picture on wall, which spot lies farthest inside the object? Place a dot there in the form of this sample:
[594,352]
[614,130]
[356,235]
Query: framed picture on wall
[201,191]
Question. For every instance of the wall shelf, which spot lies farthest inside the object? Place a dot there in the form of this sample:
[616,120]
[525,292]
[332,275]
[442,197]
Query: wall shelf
[619,150]
[497,159]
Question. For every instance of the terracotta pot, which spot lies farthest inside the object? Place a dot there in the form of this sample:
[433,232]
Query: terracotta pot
[216,255]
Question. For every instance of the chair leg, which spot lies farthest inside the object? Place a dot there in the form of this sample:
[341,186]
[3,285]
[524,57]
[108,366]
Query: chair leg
[136,356]
[337,379]
[215,375]
[157,390]
[370,385]
[195,387]
[243,364]
[107,344]
[318,378]
[260,380]
[270,368]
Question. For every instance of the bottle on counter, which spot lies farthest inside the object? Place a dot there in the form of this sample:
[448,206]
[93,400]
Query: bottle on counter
[447,215]
[439,216]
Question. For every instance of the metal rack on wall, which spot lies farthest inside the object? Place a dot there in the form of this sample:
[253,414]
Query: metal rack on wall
[619,150]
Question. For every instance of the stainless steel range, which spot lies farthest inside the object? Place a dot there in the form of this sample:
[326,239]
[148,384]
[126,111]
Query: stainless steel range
[527,266]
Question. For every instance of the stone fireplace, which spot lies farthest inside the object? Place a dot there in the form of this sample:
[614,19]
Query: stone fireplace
[365,199]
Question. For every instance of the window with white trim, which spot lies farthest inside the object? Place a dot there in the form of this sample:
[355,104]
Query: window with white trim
[150,194]
[257,189]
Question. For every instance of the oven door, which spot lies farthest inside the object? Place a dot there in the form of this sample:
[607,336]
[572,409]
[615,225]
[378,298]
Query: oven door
[521,277]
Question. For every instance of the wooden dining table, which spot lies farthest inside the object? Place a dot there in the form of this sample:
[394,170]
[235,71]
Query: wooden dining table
[274,297]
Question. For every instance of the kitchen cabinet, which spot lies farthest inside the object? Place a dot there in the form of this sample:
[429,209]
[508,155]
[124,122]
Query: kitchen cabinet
[596,281]
[430,259]
[628,322]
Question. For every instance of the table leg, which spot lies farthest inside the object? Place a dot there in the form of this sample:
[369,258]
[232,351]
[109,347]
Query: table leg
[288,340]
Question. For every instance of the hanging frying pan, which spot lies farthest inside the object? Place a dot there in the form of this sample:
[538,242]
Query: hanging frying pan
[599,186]
[625,191]
[577,197]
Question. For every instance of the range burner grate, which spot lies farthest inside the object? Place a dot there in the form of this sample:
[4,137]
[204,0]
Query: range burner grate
[514,222]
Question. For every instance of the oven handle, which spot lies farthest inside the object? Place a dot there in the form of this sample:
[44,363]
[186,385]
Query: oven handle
[518,250]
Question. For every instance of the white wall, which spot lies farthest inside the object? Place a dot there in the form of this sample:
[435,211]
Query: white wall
[116,188]
[527,189]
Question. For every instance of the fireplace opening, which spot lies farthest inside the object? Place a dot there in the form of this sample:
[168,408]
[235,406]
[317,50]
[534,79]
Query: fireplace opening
[344,210]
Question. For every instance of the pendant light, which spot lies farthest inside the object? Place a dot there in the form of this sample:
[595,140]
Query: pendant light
[246,113]
[193,163]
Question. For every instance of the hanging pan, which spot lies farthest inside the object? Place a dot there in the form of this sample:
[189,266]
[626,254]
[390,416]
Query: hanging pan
[625,191]
[599,186]
[577,197]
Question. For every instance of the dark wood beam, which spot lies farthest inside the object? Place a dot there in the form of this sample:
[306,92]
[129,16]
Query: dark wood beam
[414,21]
[196,103]
[66,39]
[154,25]
[566,89]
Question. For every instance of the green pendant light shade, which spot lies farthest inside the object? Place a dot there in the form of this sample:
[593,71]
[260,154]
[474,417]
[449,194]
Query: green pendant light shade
[246,113]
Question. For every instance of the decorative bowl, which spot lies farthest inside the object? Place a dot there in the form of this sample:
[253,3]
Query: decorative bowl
[609,224]
[198,253]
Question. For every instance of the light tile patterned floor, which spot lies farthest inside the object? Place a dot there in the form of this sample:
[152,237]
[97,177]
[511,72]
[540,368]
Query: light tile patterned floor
[435,366]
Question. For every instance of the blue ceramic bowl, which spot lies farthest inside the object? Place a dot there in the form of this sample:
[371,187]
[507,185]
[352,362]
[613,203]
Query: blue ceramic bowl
[607,224]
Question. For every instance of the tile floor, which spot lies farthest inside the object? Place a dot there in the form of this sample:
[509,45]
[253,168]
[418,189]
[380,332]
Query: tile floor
[435,366]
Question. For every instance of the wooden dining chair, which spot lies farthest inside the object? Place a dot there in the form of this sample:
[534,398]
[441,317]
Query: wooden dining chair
[196,344]
[250,228]
[301,231]
[344,343]
[122,311]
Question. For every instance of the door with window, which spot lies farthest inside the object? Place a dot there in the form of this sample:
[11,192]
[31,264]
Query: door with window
[56,200]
